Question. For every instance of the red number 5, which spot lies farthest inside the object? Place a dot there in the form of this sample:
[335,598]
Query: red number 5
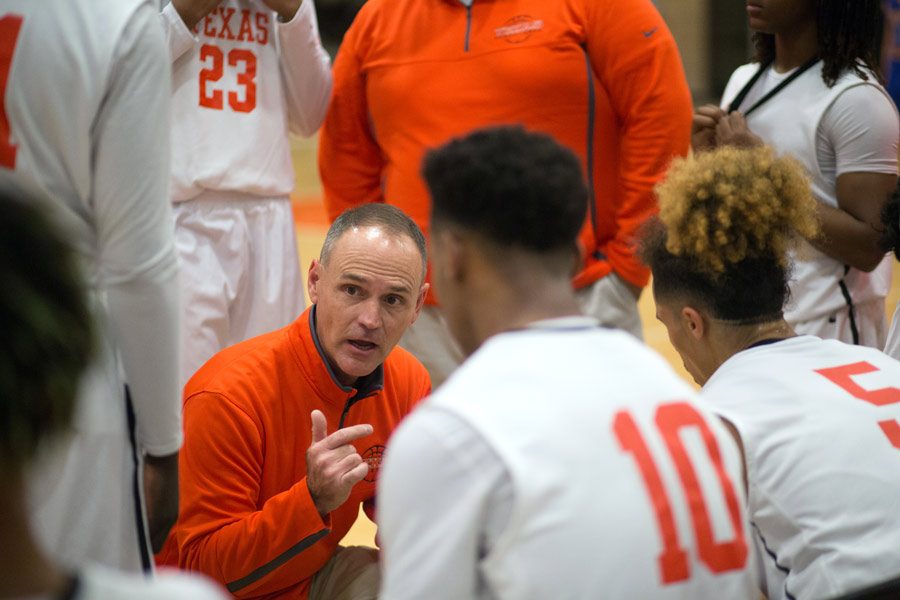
[9,35]
[673,561]
[843,376]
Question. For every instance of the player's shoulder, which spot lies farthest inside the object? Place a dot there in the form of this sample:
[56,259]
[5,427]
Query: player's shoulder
[103,12]
[241,363]
[101,583]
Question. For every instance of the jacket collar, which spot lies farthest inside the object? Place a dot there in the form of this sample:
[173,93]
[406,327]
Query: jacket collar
[318,371]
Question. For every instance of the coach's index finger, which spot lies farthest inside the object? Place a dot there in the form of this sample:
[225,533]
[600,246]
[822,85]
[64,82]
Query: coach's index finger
[319,426]
[346,435]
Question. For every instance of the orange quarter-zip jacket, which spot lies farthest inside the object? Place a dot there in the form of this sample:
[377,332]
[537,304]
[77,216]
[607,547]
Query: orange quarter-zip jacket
[602,76]
[247,518]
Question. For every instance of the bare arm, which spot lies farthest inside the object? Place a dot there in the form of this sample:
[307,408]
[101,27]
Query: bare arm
[851,231]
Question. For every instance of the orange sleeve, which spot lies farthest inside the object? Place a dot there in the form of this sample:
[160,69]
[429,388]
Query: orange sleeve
[221,532]
[635,57]
[350,161]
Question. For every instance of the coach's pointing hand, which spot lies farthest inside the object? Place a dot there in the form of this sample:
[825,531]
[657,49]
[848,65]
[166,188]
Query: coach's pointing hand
[333,466]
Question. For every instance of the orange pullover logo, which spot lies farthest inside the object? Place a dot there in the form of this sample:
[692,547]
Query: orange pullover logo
[518,29]
[372,456]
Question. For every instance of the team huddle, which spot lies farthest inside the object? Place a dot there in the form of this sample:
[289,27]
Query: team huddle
[503,178]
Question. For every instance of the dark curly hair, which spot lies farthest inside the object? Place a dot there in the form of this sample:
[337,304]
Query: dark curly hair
[516,188]
[727,219]
[47,329]
[850,34]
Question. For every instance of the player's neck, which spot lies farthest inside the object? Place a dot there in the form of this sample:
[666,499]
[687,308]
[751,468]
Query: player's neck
[795,48]
[741,337]
[513,308]
[24,569]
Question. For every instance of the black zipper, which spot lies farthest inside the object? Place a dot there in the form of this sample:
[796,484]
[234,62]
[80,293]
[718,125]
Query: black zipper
[468,25]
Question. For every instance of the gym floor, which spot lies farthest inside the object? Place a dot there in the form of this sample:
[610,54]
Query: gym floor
[312,223]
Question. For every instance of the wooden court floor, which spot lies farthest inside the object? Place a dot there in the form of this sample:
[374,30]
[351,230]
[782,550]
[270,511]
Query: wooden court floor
[312,222]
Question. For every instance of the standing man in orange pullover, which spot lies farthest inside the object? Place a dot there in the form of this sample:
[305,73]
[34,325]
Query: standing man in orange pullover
[603,77]
[284,432]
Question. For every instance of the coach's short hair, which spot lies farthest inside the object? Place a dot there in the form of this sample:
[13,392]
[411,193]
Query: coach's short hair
[514,187]
[390,218]
[47,338]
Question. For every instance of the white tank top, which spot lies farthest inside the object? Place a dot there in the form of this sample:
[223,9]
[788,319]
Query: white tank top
[820,424]
[623,485]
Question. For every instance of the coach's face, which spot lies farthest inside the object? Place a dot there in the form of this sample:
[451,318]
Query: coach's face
[368,293]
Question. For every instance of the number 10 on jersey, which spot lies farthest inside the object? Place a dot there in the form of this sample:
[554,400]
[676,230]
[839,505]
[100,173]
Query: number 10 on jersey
[671,419]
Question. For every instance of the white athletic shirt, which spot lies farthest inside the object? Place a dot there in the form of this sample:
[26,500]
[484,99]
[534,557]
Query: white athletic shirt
[240,80]
[823,461]
[520,478]
[87,99]
[850,127]
[892,344]
[100,583]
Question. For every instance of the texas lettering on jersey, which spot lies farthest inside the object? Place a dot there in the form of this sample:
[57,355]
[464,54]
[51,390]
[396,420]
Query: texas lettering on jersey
[227,23]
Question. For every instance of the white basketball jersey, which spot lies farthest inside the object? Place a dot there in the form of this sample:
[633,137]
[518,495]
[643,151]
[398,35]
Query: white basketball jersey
[623,485]
[820,424]
[98,583]
[240,81]
[819,284]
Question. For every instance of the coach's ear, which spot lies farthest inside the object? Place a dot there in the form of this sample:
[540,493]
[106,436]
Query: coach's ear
[312,280]
[693,322]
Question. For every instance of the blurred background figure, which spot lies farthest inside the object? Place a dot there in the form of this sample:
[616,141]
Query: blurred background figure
[48,342]
[605,79]
[890,242]
[891,45]
[814,92]
[86,90]
[244,74]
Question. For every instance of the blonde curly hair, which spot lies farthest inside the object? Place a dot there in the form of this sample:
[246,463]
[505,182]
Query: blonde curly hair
[722,207]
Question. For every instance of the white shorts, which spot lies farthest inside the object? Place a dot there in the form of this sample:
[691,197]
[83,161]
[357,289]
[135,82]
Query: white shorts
[865,325]
[892,345]
[611,302]
[429,340]
[239,272]
[85,495]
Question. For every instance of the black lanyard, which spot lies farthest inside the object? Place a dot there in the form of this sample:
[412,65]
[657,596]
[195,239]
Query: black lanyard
[736,103]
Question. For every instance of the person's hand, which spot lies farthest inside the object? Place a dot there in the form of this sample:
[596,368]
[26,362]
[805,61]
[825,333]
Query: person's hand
[192,11]
[732,130]
[333,466]
[161,495]
[286,9]
[703,127]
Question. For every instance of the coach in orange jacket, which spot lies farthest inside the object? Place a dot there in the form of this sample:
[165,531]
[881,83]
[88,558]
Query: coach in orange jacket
[602,76]
[266,492]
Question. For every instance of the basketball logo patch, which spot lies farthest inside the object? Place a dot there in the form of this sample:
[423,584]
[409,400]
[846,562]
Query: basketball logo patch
[518,29]
[372,457]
